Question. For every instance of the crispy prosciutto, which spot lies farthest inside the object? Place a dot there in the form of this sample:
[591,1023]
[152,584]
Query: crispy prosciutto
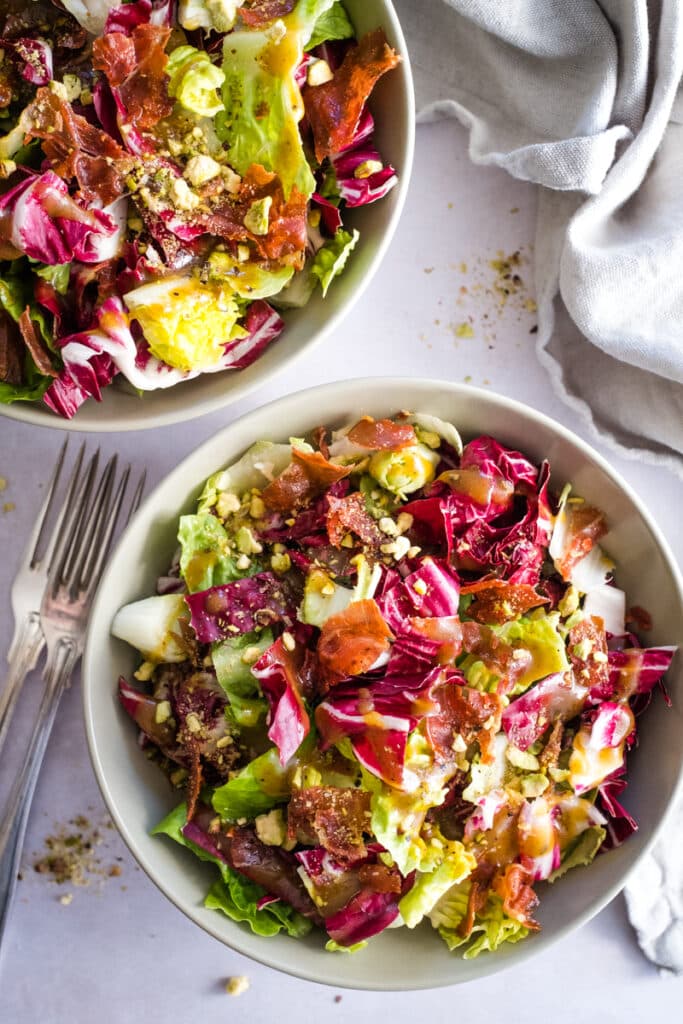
[77,149]
[349,514]
[519,899]
[351,642]
[497,601]
[135,68]
[306,477]
[381,435]
[334,108]
[465,712]
[336,819]
[256,13]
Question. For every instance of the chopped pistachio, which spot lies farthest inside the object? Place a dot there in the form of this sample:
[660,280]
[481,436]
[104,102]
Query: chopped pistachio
[404,522]
[319,72]
[582,649]
[257,509]
[247,543]
[280,563]
[233,182]
[388,526]
[256,218]
[237,985]
[367,168]
[522,759]
[534,785]
[73,87]
[200,169]
[251,655]
[193,723]
[162,712]
[227,503]
[569,603]
[271,828]
[145,672]
[183,196]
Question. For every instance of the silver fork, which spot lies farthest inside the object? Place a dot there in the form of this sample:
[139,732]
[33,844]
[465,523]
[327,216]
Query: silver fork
[28,588]
[85,536]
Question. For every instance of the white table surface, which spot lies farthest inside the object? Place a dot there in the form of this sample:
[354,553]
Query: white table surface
[120,951]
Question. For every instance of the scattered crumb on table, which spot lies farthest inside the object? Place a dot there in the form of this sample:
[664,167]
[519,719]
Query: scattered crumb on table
[237,985]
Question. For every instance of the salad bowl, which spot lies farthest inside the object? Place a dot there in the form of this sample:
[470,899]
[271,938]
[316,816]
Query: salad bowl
[127,405]
[138,796]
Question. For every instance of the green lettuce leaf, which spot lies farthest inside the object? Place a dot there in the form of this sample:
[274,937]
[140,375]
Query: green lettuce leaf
[398,817]
[236,678]
[259,464]
[333,24]
[258,788]
[429,888]
[539,635]
[57,276]
[581,852]
[492,926]
[333,947]
[205,559]
[263,105]
[331,259]
[235,895]
[15,296]
[249,280]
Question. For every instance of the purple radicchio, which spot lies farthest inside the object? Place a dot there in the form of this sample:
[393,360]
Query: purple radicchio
[47,224]
[239,607]
[277,671]
[33,58]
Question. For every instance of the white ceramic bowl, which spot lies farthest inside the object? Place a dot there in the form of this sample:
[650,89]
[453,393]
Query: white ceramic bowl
[138,795]
[393,108]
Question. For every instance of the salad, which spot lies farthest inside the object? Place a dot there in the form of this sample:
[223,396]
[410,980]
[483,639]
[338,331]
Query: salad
[172,175]
[397,682]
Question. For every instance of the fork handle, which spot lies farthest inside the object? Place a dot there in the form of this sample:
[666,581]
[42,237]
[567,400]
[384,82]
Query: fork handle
[22,657]
[13,819]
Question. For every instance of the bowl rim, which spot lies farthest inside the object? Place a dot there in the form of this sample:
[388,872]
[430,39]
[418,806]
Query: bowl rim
[33,413]
[284,405]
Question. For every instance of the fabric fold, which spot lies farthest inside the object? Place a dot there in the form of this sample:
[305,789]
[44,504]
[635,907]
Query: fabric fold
[582,100]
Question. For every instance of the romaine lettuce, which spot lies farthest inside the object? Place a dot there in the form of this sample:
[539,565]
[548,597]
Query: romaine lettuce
[235,676]
[428,889]
[235,895]
[205,558]
[331,259]
[331,24]
[263,104]
[258,788]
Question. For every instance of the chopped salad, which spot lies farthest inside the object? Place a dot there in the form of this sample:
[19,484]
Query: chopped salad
[397,681]
[172,177]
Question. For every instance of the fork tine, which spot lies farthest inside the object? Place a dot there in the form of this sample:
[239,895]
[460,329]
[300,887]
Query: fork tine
[72,486]
[137,497]
[68,548]
[33,545]
[108,530]
[91,541]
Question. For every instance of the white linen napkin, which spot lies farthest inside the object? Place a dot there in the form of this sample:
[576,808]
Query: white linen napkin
[580,98]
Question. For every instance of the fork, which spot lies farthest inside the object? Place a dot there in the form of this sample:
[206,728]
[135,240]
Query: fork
[28,588]
[85,535]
